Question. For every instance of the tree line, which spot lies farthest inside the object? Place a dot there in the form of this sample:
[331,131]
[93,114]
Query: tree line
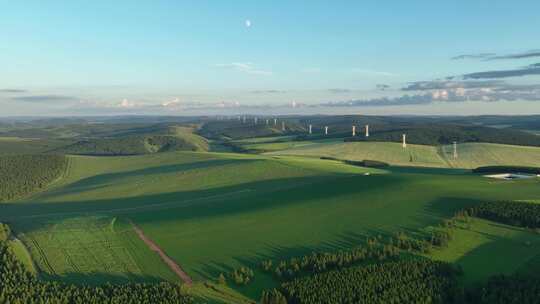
[21,175]
[408,281]
[513,213]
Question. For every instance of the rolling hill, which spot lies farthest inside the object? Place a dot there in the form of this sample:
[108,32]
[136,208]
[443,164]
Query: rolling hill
[211,212]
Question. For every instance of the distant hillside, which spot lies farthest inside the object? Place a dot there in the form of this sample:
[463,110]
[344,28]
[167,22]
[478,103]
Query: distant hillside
[235,129]
[18,146]
[419,130]
[470,155]
[432,134]
[175,139]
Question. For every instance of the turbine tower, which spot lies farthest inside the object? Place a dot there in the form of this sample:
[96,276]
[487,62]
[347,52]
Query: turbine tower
[326,130]
[367,130]
[455,150]
[353,131]
[282,126]
[275,121]
[310,129]
[404,140]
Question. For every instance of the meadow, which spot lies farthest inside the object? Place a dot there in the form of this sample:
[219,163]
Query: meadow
[212,212]
[470,155]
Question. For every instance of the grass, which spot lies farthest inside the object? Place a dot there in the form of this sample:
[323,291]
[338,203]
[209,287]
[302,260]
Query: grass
[187,134]
[282,145]
[92,249]
[473,155]
[214,211]
[470,155]
[393,153]
[21,252]
[487,248]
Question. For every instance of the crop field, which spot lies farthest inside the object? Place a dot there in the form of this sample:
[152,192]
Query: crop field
[92,249]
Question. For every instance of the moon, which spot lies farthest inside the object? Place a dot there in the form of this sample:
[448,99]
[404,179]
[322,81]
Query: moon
[248,23]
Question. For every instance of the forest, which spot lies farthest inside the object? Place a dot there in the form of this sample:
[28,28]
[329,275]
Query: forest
[423,281]
[513,213]
[23,174]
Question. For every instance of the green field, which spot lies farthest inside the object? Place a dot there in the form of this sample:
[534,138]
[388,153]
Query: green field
[484,248]
[473,155]
[393,153]
[470,155]
[92,249]
[211,212]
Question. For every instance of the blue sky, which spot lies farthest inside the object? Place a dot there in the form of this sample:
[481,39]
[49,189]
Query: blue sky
[138,56]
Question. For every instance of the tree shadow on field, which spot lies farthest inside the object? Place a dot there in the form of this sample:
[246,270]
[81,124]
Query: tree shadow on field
[341,242]
[446,207]
[206,203]
[429,170]
[103,180]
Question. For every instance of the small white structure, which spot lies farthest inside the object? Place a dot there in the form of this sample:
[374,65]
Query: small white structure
[325,130]
[404,141]
[282,126]
[510,176]
[267,122]
[255,120]
[353,131]
[455,150]
[275,121]
[310,127]
[367,130]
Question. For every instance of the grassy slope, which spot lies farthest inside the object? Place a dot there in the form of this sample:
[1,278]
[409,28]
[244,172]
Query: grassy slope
[91,250]
[313,202]
[487,248]
[21,252]
[283,145]
[470,155]
[387,152]
[187,134]
[213,211]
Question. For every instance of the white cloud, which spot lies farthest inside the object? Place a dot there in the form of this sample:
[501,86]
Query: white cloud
[126,104]
[175,103]
[246,67]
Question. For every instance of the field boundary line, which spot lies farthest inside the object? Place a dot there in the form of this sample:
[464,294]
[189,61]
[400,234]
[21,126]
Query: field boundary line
[170,262]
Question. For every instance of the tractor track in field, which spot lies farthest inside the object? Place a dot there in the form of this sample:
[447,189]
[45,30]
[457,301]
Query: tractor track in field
[170,262]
